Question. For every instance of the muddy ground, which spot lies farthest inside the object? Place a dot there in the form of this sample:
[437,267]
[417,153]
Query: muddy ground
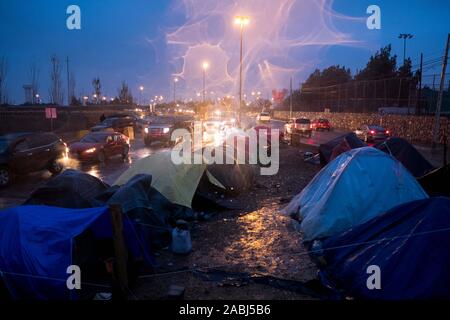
[255,239]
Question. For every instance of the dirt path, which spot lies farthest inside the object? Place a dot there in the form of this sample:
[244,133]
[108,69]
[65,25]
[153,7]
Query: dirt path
[256,240]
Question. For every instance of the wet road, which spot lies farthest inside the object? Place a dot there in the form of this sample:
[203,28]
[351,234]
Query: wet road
[23,186]
[317,138]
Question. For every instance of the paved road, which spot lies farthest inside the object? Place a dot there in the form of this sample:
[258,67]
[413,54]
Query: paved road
[317,138]
[109,172]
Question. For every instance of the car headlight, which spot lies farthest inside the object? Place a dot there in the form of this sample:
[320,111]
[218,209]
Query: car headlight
[166,130]
[91,150]
[146,130]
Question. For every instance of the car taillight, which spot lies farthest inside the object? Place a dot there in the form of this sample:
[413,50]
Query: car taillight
[387,132]
[372,131]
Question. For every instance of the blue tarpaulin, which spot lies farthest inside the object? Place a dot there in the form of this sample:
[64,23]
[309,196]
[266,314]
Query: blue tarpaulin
[36,244]
[409,244]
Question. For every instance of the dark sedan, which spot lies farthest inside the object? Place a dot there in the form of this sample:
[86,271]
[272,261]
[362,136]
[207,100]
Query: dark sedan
[114,124]
[23,153]
[99,146]
[370,133]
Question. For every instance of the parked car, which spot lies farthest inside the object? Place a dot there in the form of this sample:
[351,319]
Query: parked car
[298,126]
[100,146]
[263,117]
[114,124]
[321,124]
[23,153]
[371,133]
[161,128]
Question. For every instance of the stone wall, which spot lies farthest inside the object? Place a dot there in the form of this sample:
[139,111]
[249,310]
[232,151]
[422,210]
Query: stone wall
[417,129]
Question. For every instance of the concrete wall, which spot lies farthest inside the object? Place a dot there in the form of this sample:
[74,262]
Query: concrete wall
[70,119]
[417,129]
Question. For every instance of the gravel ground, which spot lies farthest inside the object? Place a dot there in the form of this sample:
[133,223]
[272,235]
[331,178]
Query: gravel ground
[254,240]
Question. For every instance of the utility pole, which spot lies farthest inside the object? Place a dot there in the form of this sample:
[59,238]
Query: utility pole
[174,90]
[440,96]
[419,97]
[68,82]
[240,74]
[290,101]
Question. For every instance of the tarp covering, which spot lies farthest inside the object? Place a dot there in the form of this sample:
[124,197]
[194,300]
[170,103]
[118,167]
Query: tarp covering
[70,189]
[348,139]
[37,243]
[153,213]
[409,244]
[352,189]
[404,152]
[176,182]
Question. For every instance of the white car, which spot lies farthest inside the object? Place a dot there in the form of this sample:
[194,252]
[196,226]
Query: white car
[263,117]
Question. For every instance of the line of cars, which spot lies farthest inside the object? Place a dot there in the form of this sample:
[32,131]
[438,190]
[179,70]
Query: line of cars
[305,127]
[27,152]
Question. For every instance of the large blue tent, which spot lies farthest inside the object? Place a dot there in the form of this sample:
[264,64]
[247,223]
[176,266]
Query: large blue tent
[353,188]
[37,243]
[409,244]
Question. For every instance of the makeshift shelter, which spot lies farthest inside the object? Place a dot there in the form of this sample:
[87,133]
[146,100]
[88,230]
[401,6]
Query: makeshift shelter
[154,214]
[176,182]
[409,244]
[70,189]
[352,189]
[405,152]
[333,148]
[39,243]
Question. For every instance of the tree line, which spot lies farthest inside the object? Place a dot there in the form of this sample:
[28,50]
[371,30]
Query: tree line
[56,93]
[380,83]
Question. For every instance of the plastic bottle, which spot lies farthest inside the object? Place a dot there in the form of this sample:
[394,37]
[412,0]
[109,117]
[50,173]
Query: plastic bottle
[181,238]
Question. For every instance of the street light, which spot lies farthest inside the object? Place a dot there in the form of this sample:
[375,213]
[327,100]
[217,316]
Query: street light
[141,89]
[405,36]
[241,21]
[174,89]
[205,66]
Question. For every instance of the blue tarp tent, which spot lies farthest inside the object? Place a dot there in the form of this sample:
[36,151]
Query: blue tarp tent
[37,242]
[408,243]
[352,189]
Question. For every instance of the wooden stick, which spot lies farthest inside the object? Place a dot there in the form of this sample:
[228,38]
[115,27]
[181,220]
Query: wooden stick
[121,256]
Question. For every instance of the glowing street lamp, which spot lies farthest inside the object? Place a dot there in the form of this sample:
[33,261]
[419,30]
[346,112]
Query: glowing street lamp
[205,66]
[141,89]
[241,21]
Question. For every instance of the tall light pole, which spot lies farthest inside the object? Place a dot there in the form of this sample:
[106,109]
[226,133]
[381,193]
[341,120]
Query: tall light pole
[241,21]
[141,89]
[174,90]
[205,66]
[405,36]
[68,82]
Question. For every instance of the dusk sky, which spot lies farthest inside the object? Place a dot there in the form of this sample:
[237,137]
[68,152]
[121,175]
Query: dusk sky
[149,42]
